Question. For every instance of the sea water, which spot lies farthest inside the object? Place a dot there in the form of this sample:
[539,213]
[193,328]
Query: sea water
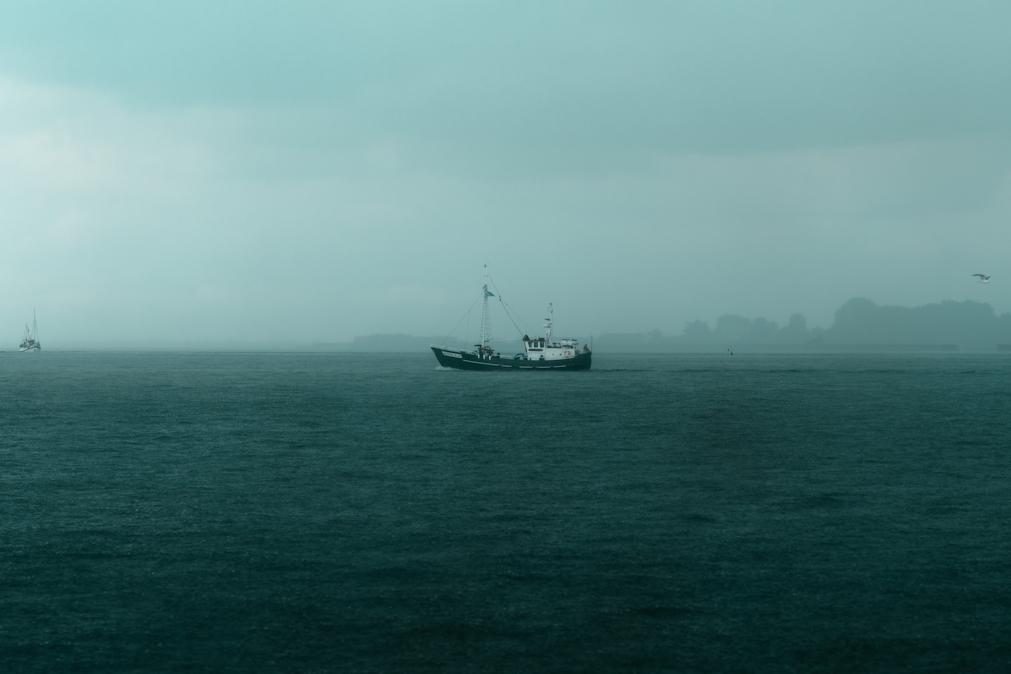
[373,513]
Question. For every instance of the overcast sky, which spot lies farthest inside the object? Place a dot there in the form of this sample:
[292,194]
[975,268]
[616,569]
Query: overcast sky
[299,171]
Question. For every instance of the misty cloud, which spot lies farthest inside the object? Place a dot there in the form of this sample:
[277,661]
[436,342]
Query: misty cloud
[193,173]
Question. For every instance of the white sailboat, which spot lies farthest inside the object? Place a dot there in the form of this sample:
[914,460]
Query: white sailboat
[31,342]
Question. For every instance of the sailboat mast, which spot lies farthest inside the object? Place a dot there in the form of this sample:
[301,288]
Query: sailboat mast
[35,326]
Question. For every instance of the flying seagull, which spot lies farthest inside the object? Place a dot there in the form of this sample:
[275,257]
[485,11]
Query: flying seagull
[983,278]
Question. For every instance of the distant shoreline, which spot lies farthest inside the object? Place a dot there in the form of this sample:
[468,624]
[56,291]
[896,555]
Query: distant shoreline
[860,326]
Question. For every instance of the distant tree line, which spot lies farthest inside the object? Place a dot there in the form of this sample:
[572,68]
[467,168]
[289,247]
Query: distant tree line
[859,324]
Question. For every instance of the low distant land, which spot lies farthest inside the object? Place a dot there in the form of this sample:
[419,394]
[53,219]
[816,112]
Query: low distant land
[859,325]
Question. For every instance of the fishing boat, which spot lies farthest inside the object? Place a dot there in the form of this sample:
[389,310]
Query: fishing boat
[539,353]
[30,342]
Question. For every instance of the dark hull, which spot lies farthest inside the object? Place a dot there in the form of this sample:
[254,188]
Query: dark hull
[466,360]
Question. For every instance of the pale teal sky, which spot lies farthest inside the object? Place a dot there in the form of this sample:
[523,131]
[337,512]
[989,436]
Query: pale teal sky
[276,172]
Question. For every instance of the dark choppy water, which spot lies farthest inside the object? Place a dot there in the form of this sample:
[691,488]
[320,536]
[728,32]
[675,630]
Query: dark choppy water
[318,512]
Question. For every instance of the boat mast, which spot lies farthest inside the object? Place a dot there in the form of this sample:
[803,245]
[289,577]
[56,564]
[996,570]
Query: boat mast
[548,321]
[485,317]
[35,326]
